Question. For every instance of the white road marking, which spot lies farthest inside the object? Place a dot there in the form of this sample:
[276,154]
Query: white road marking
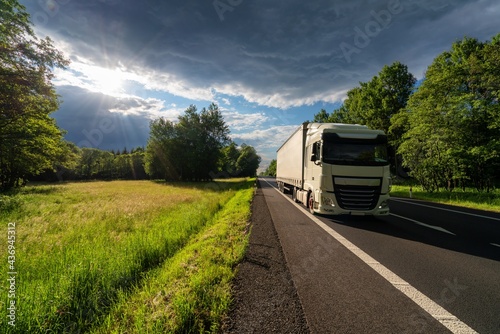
[496,245]
[437,228]
[435,207]
[450,321]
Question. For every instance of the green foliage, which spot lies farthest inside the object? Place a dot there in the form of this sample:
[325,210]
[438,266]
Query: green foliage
[271,170]
[197,147]
[30,140]
[189,149]
[161,151]
[376,103]
[228,161]
[94,164]
[453,132]
[248,161]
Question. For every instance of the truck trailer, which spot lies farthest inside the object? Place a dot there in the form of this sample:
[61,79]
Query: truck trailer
[336,169]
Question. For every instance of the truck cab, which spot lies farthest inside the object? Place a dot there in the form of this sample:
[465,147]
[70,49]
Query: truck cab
[345,170]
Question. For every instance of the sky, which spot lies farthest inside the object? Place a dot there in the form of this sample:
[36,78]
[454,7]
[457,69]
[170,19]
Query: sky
[269,65]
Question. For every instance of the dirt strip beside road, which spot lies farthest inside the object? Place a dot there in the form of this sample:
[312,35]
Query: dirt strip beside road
[265,299]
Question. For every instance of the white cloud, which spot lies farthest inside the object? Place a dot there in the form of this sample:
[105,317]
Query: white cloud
[283,97]
[264,139]
[239,121]
[150,108]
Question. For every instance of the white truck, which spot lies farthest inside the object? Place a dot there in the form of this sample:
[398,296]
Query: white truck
[336,169]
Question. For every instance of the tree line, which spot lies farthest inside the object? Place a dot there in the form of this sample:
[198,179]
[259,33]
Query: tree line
[32,146]
[444,130]
[95,164]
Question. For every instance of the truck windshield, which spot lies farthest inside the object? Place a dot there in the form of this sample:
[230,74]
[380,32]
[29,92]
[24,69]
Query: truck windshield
[355,152]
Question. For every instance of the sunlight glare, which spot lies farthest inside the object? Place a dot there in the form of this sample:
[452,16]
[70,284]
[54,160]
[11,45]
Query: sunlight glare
[106,81]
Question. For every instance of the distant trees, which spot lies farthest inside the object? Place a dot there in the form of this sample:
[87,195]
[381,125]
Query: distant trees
[30,140]
[248,161]
[271,169]
[239,161]
[197,147]
[95,164]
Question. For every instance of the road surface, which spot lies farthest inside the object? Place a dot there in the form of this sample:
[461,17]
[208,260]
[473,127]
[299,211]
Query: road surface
[426,268]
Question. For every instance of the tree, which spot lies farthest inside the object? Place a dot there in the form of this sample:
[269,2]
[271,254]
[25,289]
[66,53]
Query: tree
[321,117]
[271,169]
[229,158]
[30,140]
[248,161]
[454,132]
[161,159]
[376,102]
[189,149]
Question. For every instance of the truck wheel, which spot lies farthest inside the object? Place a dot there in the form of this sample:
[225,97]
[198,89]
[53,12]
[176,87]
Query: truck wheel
[310,203]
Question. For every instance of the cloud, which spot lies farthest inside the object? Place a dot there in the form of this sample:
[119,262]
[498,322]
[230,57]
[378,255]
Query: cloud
[244,121]
[275,54]
[264,139]
[269,63]
[101,121]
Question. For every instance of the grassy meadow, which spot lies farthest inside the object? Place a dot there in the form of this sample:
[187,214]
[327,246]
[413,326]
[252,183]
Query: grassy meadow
[469,198]
[123,256]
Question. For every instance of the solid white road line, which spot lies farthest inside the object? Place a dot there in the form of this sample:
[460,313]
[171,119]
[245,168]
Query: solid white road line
[437,228]
[435,207]
[450,321]
[496,245]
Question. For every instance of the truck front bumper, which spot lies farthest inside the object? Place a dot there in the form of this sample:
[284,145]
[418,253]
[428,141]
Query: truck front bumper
[328,205]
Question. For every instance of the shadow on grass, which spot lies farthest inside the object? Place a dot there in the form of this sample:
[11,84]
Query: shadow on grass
[217,185]
[32,189]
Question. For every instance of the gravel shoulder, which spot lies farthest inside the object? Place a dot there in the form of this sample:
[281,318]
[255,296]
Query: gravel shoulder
[265,299]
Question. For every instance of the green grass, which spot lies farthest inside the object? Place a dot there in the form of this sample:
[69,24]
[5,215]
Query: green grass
[468,198]
[91,257]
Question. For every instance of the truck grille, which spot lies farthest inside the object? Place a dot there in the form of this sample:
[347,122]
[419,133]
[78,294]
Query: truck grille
[357,197]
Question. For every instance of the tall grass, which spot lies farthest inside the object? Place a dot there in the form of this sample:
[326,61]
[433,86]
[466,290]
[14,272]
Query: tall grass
[81,248]
[190,292]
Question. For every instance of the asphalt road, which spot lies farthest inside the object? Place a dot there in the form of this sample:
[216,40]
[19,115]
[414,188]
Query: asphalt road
[426,268]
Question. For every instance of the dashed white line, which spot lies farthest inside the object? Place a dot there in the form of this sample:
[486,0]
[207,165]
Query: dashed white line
[450,210]
[437,228]
[496,245]
[450,321]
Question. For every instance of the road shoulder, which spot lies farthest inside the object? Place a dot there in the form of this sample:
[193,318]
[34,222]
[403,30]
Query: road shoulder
[265,299]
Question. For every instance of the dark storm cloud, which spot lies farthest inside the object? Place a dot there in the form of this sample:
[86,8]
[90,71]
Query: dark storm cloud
[279,53]
[89,119]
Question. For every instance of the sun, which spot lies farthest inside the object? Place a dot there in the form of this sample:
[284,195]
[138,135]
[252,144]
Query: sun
[106,81]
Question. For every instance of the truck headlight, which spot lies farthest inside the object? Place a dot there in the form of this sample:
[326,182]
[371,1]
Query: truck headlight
[327,201]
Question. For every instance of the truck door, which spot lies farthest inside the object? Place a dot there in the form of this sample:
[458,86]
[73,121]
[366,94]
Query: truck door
[310,166]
